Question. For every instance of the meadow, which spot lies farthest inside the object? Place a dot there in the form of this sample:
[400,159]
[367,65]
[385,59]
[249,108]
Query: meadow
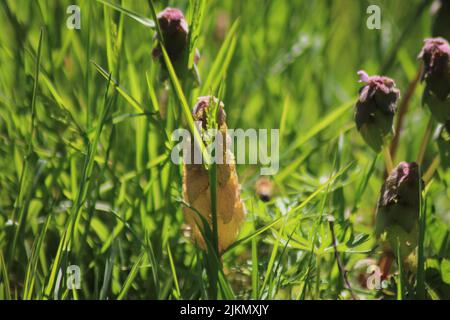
[91,205]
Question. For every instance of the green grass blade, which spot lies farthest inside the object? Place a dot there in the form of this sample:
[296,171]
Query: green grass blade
[253,235]
[198,9]
[133,102]
[225,288]
[31,274]
[80,197]
[270,265]
[420,285]
[155,266]
[174,273]
[222,60]
[107,274]
[21,201]
[295,209]
[185,107]
[255,271]
[142,20]
[4,280]
[323,186]
[401,275]
[324,123]
[129,281]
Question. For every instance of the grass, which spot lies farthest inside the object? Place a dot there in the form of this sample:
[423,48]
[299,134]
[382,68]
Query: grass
[85,173]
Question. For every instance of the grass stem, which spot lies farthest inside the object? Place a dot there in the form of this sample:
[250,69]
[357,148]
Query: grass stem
[425,139]
[402,111]
[387,159]
[342,270]
[420,284]
[431,170]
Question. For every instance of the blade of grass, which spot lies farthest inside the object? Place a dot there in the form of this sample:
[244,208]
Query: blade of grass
[212,262]
[420,284]
[174,272]
[83,188]
[431,170]
[364,182]
[225,288]
[270,265]
[401,277]
[134,103]
[107,274]
[222,60]
[4,280]
[185,107]
[425,140]
[21,203]
[30,278]
[215,237]
[387,159]
[323,186]
[129,281]
[142,20]
[151,256]
[295,209]
[252,235]
[197,9]
[255,272]
[320,126]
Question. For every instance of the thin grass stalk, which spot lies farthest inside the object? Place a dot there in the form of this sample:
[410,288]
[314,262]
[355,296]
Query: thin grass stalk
[73,219]
[387,159]
[342,270]
[425,140]
[19,205]
[401,277]
[431,170]
[174,273]
[215,237]
[402,111]
[255,280]
[420,282]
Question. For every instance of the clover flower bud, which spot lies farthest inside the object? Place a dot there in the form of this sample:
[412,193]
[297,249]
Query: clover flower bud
[196,188]
[398,210]
[200,111]
[436,74]
[375,109]
[175,33]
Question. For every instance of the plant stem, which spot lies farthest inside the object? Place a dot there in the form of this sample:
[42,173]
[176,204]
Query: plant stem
[402,110]
[387,159]
[342,271]
[215,242]
[431,170]
[420,282]
[401,277]
[425,140]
